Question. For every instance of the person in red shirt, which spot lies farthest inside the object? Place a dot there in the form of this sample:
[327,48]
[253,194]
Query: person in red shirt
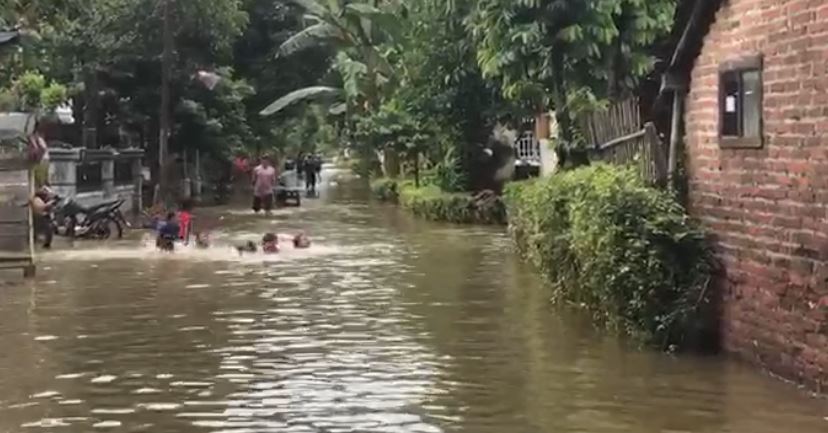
[185,220]
[241,164]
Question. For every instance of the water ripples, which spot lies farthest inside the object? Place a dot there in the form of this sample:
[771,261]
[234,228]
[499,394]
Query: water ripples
[385,325]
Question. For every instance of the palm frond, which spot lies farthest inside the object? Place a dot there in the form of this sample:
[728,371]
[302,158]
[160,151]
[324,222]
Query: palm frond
[308,38]
[315,92]
[372,17]
[338,109]
[312,6]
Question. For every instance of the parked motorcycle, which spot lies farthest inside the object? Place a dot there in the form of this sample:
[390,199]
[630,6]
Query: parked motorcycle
[73,220]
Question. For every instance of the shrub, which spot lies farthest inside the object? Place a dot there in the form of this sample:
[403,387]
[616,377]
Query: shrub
[625,251]
[447,174]
[431,203]
[386,189]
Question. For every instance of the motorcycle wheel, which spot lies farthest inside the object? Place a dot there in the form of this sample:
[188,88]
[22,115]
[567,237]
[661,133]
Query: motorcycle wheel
[104,229]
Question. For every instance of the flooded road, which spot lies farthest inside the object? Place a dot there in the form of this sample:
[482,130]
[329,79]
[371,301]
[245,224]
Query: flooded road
[387,324]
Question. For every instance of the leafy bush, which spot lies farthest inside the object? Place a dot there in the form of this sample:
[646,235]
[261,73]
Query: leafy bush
[447,174]
[625,251]
[32,92]
[53,95]
[431,203]
[386,189]
[29,88]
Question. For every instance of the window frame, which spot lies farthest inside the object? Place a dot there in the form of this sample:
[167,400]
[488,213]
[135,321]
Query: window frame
[739,66]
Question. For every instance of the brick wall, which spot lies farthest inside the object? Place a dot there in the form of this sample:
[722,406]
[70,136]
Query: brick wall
[768,208]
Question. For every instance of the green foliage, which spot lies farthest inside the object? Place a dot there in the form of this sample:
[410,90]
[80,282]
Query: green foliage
[625,251]
[271,23]
[53,95]
[214,121]
[443,90]
[392,126]
[29,90]
[32,92]
[385,189]
[447,174]
[543,50]
[356,30]
[431,203]
[308,133]
[602,44]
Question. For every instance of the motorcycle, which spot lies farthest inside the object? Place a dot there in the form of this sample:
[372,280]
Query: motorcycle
[73,220]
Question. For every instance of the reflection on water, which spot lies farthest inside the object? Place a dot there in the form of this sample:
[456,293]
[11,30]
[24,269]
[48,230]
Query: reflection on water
[387,324]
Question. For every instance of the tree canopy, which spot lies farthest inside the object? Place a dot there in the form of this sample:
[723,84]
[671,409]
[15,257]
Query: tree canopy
[431,77]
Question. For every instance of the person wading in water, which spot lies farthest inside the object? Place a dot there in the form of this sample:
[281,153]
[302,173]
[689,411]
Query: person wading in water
[264,180]
[311,168]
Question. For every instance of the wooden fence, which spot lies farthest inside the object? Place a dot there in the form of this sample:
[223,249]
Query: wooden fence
[616,136]
[16,236]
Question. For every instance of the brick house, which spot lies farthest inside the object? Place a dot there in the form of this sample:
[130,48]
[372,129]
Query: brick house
[749,84]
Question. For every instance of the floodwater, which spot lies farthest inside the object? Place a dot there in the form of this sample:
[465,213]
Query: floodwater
[387,324]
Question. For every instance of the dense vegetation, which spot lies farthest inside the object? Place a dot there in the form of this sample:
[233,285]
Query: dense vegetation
[433,203]
[627,252]
[418,90]
[417,84]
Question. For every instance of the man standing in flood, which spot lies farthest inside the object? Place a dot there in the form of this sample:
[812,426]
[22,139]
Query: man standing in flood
[264,181]
[311,172]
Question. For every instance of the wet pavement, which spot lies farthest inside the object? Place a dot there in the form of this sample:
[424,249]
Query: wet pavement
[387,324]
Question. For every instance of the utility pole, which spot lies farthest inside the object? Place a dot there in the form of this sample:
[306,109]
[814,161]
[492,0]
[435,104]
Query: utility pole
[164,114]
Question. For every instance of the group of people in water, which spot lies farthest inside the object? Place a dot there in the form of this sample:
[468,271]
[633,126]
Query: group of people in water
[178,227]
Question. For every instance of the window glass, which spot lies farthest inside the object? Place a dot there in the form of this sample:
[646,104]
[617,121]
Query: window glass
[752,106]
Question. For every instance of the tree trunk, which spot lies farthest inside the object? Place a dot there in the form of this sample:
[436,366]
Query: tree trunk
[568,152]
[391,162]
[164,112]
[91,111]
[417,169]
[559,99]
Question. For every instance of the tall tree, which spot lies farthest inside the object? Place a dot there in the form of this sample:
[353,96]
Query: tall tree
[358,31]
[441,84]
[551,49]
[272,22]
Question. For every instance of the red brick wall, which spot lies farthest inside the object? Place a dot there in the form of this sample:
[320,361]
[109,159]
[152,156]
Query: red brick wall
[768,208]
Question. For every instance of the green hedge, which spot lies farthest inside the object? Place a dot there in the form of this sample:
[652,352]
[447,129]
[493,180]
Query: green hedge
[434,204]
[431,203]
[625,251]
[386,189]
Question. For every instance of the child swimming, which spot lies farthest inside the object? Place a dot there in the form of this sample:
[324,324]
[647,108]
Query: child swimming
[301,241]
[270,243]
[202,240]
[249,247]
[168,233]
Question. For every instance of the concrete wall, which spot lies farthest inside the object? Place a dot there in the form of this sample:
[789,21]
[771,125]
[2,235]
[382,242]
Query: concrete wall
[63,165]
[768,207]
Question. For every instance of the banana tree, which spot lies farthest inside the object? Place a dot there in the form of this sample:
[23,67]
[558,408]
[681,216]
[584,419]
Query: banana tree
[359,31]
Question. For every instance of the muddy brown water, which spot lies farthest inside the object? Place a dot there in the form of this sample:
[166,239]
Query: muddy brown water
[387,324]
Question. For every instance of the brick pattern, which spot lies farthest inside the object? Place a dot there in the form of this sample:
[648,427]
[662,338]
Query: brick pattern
[768,208]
